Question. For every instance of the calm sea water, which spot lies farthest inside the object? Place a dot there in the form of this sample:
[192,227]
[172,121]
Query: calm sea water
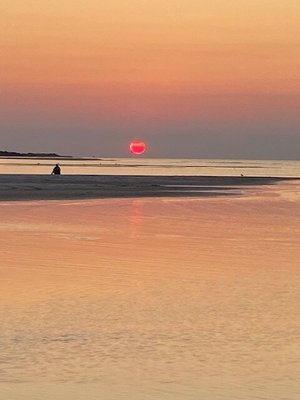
[147,299]
[143,166]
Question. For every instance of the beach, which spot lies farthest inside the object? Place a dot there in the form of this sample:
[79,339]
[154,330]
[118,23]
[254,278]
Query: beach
[45,187]
[166,298]
[129,285]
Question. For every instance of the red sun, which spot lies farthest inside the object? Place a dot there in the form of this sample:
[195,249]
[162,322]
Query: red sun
[137,147]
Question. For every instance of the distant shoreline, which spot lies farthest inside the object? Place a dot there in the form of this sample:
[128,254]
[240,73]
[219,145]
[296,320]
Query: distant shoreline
[75,187]
[14,154]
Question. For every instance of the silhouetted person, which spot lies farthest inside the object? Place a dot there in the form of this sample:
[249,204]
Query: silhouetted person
[56,170]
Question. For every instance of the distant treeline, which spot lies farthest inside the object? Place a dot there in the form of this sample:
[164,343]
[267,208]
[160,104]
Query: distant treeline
[16,154]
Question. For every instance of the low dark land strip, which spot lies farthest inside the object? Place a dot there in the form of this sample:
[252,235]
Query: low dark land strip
[45,187]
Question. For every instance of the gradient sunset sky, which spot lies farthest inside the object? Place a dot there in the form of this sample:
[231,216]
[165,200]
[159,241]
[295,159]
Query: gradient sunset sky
[193,78]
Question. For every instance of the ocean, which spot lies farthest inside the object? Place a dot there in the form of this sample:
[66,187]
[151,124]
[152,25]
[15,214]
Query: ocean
[144,166]
[152,299]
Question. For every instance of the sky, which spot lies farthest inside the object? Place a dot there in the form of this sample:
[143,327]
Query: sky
[193,78]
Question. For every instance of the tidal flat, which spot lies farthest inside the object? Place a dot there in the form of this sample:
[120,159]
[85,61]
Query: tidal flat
[182,298]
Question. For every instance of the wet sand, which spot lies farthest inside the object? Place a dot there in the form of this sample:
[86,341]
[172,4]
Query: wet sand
[68,187]
[151,298]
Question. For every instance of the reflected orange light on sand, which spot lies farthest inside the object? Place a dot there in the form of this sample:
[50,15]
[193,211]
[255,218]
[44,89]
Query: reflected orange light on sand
[209,238]
[133,290]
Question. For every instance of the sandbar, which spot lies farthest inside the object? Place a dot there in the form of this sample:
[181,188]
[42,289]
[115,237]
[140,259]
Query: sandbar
[64,187]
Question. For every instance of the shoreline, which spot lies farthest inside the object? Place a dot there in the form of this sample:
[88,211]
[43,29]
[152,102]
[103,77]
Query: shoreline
[76,187]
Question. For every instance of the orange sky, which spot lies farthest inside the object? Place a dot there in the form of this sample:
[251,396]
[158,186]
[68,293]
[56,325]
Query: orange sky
[180,45]
[134,56]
